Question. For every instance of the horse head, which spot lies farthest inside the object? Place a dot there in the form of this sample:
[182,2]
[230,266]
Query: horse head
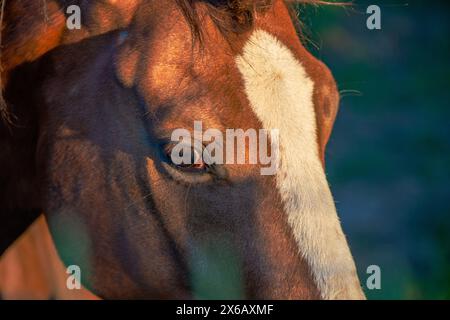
[95,111]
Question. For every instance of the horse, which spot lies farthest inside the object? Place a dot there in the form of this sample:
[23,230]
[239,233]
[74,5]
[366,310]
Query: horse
[87,119]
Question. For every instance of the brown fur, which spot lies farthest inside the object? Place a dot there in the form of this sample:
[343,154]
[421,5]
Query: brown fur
[88,160]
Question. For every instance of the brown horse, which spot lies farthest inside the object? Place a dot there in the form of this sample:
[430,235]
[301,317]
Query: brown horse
[91,112]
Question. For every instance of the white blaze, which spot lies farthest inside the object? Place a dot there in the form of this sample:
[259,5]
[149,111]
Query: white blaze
[281,94]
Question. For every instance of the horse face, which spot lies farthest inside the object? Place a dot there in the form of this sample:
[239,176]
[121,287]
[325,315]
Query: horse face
[140,226]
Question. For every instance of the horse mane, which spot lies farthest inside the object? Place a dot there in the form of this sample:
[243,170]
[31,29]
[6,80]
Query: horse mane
[230,16]
[4,113]
[236,16]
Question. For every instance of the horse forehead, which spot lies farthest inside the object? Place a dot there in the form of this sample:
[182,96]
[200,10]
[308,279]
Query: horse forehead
[278,87]
[167,65]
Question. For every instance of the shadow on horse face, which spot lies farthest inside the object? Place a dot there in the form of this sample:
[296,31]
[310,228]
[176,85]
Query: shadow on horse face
[105,176]
[106,106]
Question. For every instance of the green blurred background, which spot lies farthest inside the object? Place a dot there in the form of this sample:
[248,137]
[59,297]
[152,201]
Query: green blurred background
[388,160]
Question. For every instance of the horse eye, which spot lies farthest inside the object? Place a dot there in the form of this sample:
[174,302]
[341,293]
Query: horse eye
[196,164]
[197,171]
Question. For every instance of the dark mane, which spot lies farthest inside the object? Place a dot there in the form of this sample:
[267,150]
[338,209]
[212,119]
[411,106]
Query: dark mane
[234,16]
[4,114]
[230,16]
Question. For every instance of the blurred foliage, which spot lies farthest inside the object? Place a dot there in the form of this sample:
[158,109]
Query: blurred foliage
[389,157]
[216,271]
